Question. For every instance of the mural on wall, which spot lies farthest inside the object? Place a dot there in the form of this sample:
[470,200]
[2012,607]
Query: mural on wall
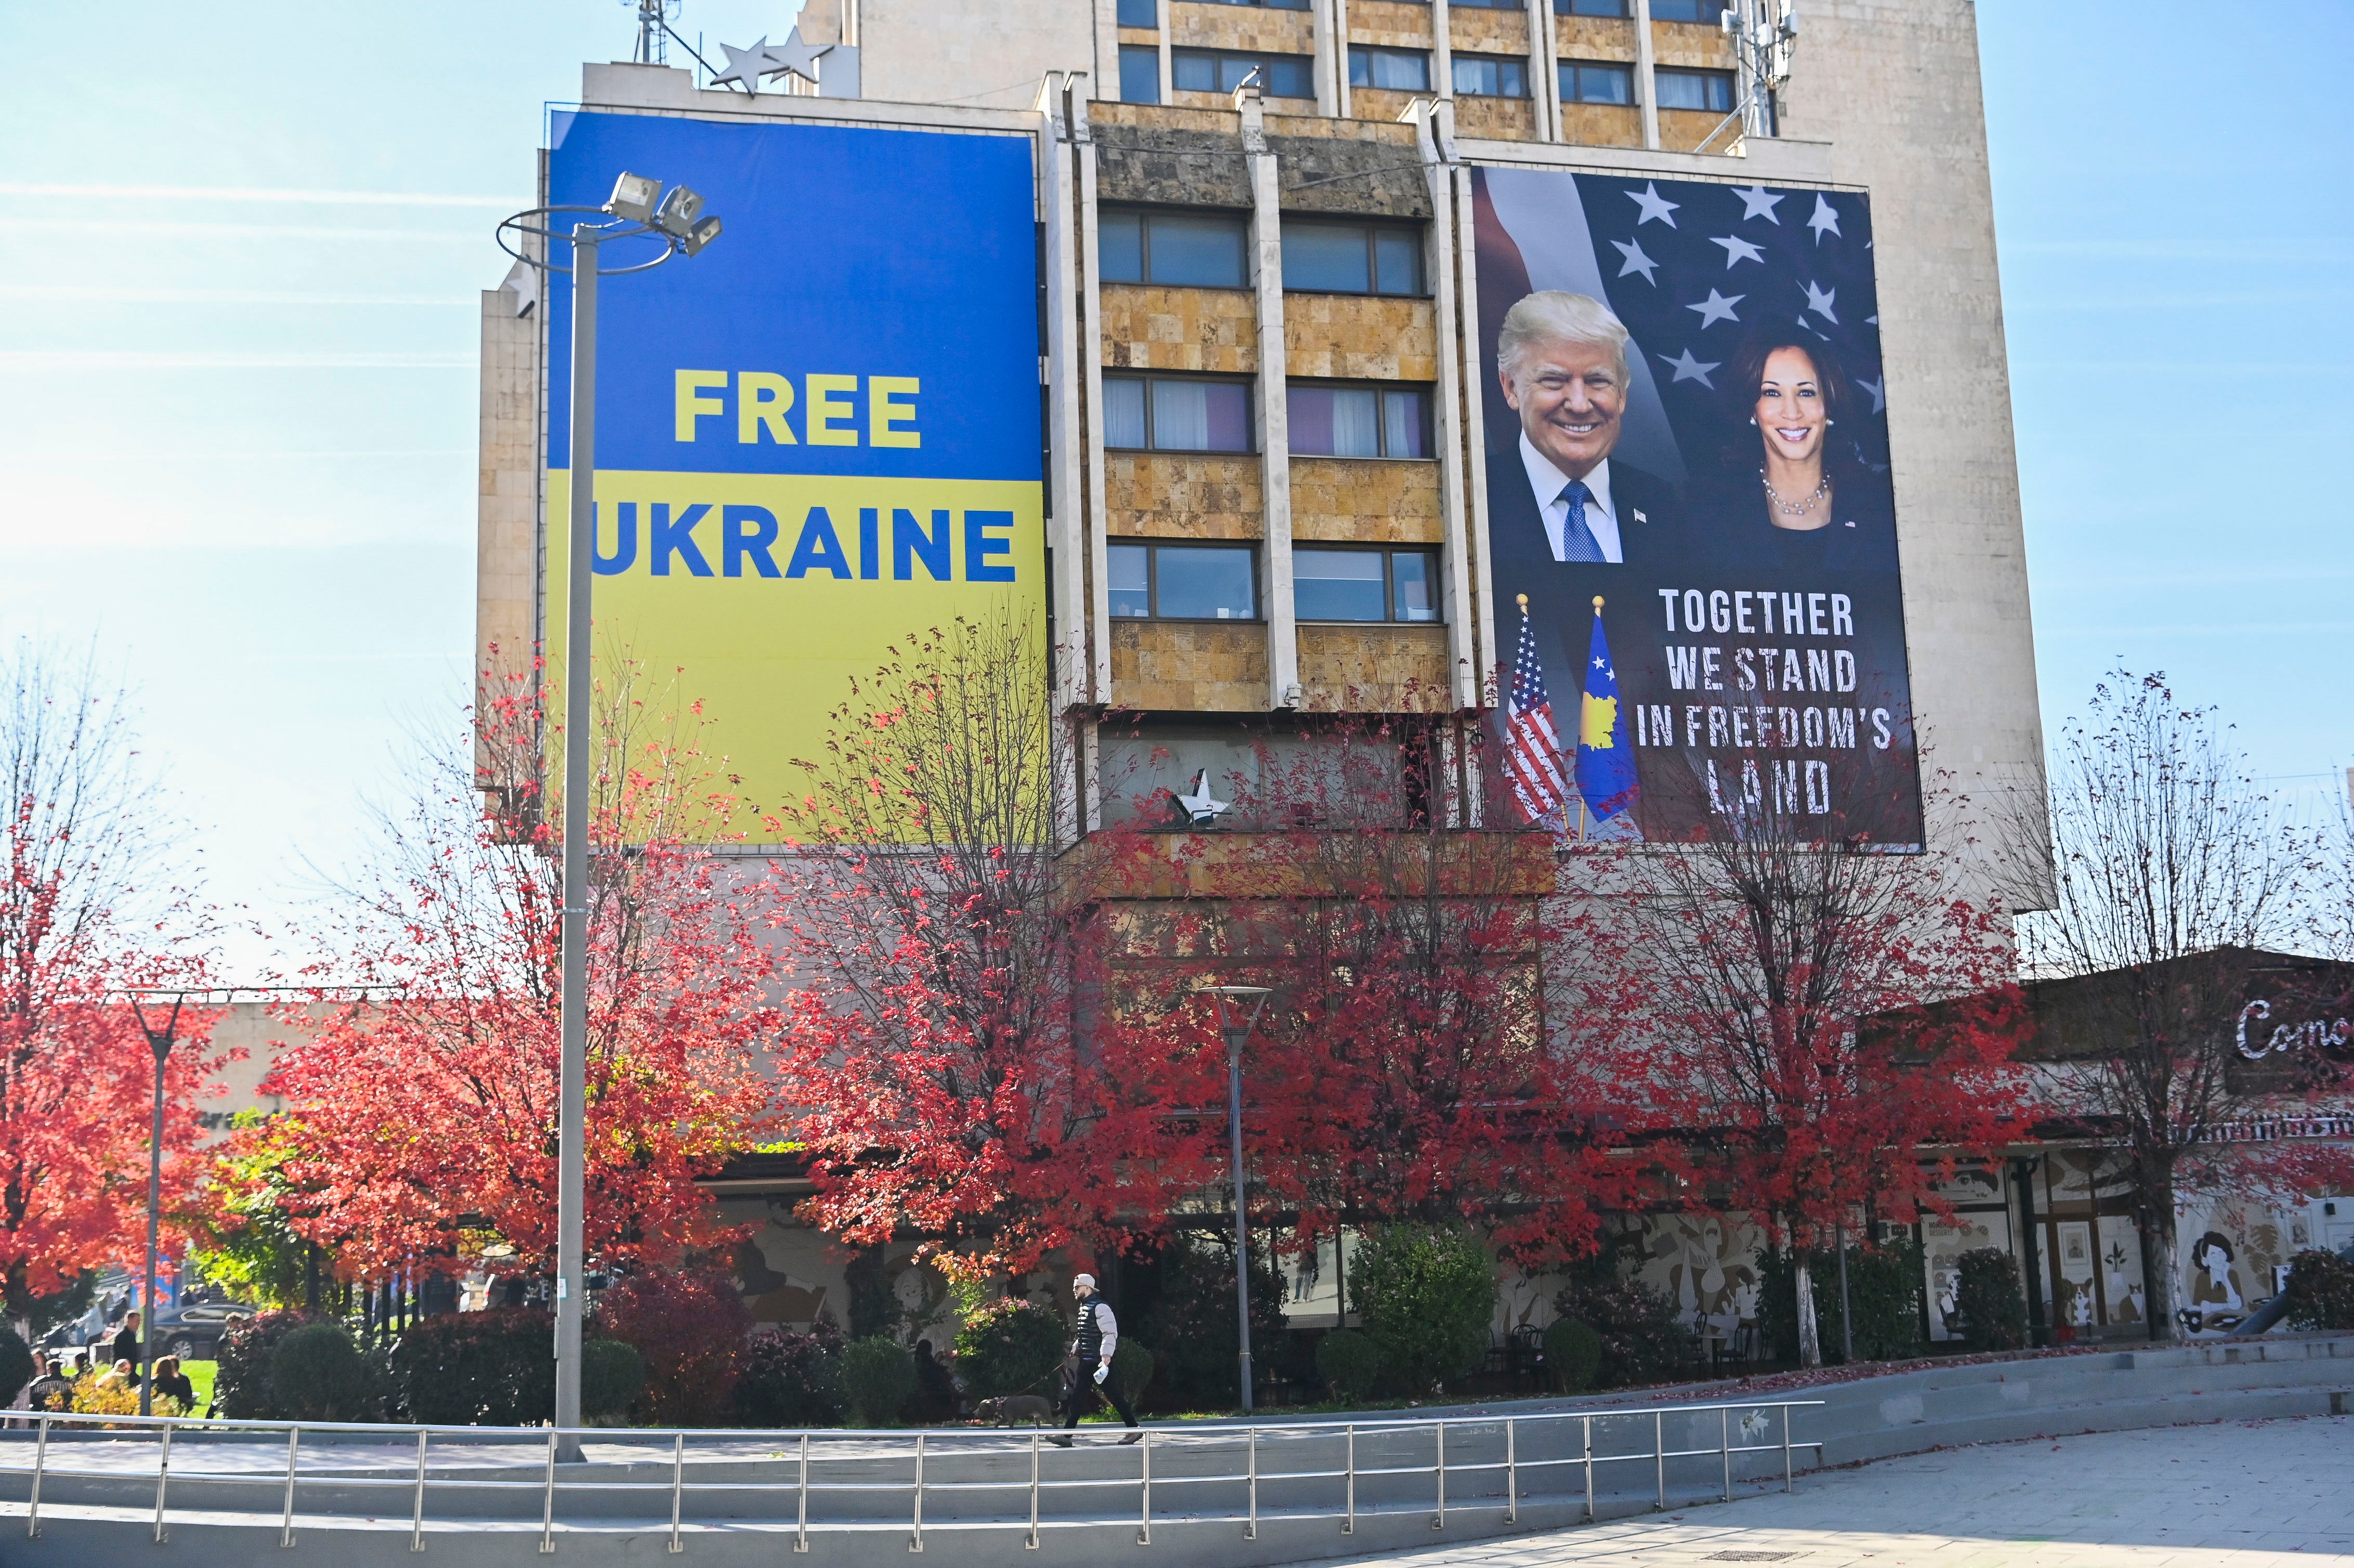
[2122,1287]
[787,1273]
[1943,1244]
[1707,1265]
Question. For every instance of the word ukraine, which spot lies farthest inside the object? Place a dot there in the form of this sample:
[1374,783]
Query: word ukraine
[705,539]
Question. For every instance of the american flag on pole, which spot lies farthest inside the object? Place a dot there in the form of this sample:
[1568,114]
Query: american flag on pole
[1531,751]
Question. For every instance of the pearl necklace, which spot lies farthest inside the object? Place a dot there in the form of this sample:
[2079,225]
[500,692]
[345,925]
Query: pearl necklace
[1801,508]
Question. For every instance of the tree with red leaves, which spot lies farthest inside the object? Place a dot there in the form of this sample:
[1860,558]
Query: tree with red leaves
[956,1069]
[88,910]
[421,1121]
[1757,1003]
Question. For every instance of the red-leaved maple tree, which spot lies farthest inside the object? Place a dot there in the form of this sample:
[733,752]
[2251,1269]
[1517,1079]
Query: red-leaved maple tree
[86,912]
[421,1123]
[1759,1006]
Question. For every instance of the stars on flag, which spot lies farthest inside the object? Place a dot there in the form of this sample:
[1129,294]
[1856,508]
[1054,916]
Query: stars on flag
[1653,204]
[1818,299]
[1825,220]
[1687,368]
[1757,202]
[1737,251]
[1717,308]
[1636,260]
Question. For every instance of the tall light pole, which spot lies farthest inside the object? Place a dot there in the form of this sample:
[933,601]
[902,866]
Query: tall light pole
[159,1043]
[1228,999]
[638,208]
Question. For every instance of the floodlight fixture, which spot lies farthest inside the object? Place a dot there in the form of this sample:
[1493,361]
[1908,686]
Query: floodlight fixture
[679,209]
[701,234]
[633,198]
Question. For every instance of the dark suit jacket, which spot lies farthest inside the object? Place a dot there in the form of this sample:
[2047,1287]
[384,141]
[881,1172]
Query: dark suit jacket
[1561,594]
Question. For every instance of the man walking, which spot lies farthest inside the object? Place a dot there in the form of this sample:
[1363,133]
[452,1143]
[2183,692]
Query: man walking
[1095,1336]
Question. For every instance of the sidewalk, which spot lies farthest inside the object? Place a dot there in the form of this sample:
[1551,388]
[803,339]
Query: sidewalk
[2236,1495]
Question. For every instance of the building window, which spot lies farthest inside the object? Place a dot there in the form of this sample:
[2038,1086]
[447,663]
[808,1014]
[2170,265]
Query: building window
[1708,11]
[1708,89]
[1140,74]
[1359,421]
[1602,8]
[1176,414]
[1490,76]
[1140,14]
[1364,585]
[1194,249]
[1493,5]
[1585,81]
[1405,70]
[1223,70]
[1269,4]
[1351,257]
[1183,582]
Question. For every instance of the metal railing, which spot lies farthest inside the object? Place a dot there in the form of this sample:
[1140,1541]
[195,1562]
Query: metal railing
[1465,1456]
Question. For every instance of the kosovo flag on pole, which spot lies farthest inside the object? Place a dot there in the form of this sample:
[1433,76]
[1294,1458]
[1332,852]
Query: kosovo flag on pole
[1605,750]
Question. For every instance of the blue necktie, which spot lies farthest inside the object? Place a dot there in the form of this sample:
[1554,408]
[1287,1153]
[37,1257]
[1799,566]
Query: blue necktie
[1577,540]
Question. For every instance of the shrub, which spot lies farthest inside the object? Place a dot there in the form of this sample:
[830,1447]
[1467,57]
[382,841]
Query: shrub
[470,1369]
[1427,1299]
[1990,1300]
[1644,1336]
[1010,1347]
[613,1375]
[2320,1291]
[1350,1363]
[16,1366]
[318,1374]
[1192,1324]
[878,1375]
[93,1398]
[1573,1355]
[691,1330]
[1884,1286]
[241,1377]
[1132,1368]
[792,1378]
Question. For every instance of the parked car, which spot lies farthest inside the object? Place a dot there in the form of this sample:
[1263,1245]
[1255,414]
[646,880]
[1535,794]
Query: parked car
[193,1333]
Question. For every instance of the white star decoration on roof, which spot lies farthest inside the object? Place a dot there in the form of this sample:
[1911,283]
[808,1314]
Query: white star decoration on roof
[1756,202]
[747,66]
[1636,260]
[1717,308]
[1824,219]
[1737,249]
[1653,204]
[1687,368]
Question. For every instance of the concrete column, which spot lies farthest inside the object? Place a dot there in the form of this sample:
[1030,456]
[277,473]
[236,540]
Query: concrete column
[1328,94]
[1274,411]
[1545,85]
[1168,65]
[1439,257]
[1342,91]
[1648,99]
[1442,54]
[1476,370]
[1063,378]
[1096,685]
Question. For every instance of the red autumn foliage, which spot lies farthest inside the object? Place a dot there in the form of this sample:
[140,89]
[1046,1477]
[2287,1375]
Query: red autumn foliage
[421,1125]
[691,1329]
[86,912]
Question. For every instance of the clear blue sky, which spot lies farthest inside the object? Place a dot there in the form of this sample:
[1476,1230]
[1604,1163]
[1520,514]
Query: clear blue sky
[237,429]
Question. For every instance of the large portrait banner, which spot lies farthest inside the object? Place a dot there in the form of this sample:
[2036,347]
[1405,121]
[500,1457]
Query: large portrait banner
[1690,525]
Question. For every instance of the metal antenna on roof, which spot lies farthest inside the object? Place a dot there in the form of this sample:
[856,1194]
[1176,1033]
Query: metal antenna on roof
[653,30]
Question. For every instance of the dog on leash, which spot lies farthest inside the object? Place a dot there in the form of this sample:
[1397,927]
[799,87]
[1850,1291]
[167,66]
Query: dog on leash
[1015,1408]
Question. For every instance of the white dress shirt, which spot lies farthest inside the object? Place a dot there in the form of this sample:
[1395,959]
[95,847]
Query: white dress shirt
[1548,482]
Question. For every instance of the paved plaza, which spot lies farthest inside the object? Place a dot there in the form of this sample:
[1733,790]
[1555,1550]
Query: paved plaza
[2232,1495]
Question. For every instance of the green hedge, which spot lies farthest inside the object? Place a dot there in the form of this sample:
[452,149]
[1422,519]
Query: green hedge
[1350,1363]
[878,1374]
[476,1369]
[1990,1300]
[1883,1284]
[1010,1347]
[318,1374]
[1427,1296]
[2320,1291]
[241,1375]
[1573,1353]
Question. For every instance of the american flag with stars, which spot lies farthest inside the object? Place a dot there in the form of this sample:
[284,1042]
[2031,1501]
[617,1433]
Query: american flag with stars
[1532,749]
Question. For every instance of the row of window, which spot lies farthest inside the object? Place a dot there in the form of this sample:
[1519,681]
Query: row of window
[1147,12]
[1408,71]
[1207,250]
[1206,414]
[1155,581]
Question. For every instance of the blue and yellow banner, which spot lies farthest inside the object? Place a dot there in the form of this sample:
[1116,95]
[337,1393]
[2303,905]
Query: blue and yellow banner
[817,436]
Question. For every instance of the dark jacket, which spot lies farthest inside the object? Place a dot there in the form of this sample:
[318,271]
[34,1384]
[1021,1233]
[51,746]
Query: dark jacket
[126,1346]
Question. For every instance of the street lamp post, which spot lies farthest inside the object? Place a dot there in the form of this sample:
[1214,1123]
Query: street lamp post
[159,1043]
[1228,999]
[639,209]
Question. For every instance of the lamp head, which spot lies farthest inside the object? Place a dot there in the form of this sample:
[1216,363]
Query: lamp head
[679,209]
[701,234]
[633,198]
